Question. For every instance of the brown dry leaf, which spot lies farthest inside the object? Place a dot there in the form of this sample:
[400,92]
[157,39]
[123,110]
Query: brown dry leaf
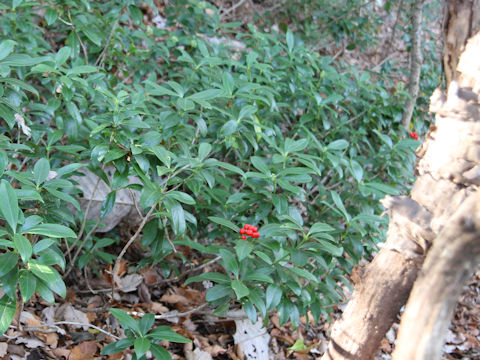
[157,308]
[150,276]
[71,296]
[174,299]
[215,350]
[50,339]
[61,353]
[91,316]
[84,351]
[275,321]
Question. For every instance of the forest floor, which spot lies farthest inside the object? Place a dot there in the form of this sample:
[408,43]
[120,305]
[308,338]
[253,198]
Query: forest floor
[80,325]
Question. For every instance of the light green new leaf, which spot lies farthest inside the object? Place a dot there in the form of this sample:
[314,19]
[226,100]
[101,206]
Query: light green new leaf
[241,290]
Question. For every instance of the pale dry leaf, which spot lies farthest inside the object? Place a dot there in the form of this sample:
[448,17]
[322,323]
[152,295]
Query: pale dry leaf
[130,282]
[200,355]
[3,348]
[69,313]
[252,337]
[30,342]
[95,192]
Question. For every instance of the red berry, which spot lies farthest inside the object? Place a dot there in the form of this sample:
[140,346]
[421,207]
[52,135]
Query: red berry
[256,235]
[254,228]
[243,237]
[249,232]
[246,226]
[242,231]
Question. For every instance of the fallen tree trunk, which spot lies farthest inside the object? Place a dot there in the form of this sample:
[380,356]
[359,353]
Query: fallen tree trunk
[448,172]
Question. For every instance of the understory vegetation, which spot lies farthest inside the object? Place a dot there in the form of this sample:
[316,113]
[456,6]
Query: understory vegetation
[214,125]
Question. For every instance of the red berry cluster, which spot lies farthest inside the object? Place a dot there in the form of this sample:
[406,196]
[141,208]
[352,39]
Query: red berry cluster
[250,231]
[413,135]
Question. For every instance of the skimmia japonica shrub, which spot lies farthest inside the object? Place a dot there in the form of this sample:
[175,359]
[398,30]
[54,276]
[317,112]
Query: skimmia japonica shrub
[271,134]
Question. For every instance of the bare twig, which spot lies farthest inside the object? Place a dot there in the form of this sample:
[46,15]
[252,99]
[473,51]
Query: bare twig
[49,328]
[171,314]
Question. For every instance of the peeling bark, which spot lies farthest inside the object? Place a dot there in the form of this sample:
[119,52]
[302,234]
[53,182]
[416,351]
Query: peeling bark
[432,302]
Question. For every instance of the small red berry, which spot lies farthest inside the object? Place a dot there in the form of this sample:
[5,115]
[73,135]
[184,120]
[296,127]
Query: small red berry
[242,231]
[249,232]
[243,237]
[256,235]
[413,135]
[246,226]
[254,228]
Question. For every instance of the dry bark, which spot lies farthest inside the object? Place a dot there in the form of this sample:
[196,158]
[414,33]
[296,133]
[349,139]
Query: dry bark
[415,62]
[448,172]
[456,250]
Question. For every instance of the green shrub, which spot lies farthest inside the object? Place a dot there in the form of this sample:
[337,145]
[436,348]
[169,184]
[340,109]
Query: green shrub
[275,136]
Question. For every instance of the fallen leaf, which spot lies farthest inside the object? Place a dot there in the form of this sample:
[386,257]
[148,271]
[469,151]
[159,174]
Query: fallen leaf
[174,299]
[157,308]
[129,282]
[61,353]
[84,351]
[3,348]
[69,313]
[30,342]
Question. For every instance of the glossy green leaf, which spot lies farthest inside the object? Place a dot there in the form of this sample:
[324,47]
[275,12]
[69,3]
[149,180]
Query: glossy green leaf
[166,333]
[160,353]
[241,290]
[7,312]
[52,230]
[230,261]
[117,346]
[209,276]
[8,261]
[9,205]
[125,320]
[23,246]
[6,47]
[141,346]
[28,283]
[224,222]
[273,296]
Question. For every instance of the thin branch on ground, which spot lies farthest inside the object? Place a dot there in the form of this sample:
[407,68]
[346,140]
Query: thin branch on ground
[49,328]
[127,245]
